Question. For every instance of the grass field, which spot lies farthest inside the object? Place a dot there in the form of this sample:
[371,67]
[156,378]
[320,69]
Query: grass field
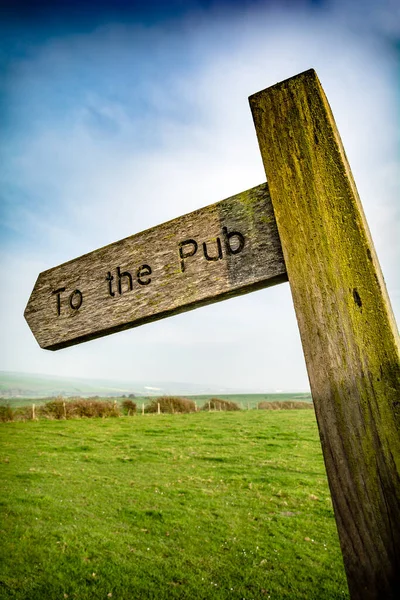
[205,505]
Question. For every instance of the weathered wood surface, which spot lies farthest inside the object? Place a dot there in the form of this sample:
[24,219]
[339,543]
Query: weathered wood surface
[348,332]
[226,249]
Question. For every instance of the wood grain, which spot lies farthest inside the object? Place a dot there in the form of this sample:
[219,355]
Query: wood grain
[348,332]
[223,250]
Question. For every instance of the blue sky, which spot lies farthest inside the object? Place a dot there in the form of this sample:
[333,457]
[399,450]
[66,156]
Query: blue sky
[117,117]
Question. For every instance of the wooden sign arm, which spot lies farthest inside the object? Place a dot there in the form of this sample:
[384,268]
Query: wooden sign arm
[223,250]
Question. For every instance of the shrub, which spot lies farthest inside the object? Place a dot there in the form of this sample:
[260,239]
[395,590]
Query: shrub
[6,413]
[129,407]
[218,404]
[171,404]
[53,409]
[23,413]
[78,408]
[288,405]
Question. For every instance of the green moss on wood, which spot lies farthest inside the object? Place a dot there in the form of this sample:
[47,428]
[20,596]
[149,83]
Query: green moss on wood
[349,336]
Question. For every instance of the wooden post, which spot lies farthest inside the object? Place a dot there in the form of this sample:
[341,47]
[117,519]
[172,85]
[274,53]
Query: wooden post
[33,412]
[348,332]
[65,410]
[158,408]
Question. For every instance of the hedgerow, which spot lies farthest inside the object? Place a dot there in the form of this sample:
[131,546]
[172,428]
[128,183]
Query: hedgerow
[171,404]
[287,405]
[219,404]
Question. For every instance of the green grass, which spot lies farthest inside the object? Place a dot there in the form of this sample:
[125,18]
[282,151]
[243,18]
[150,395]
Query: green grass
[32,385]
[206,505]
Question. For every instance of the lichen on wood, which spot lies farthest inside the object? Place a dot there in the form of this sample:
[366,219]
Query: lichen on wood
[228,248]
[348,332]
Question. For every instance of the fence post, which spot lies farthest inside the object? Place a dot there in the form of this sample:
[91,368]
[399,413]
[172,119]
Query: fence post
[158,408]
[349,336]
[65,410]
[142,408]
[33,412]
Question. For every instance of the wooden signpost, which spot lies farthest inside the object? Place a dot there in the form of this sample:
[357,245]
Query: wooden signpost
[226,249]
[348,332]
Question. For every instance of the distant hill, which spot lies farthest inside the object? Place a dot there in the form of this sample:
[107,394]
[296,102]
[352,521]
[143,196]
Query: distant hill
[30,385]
